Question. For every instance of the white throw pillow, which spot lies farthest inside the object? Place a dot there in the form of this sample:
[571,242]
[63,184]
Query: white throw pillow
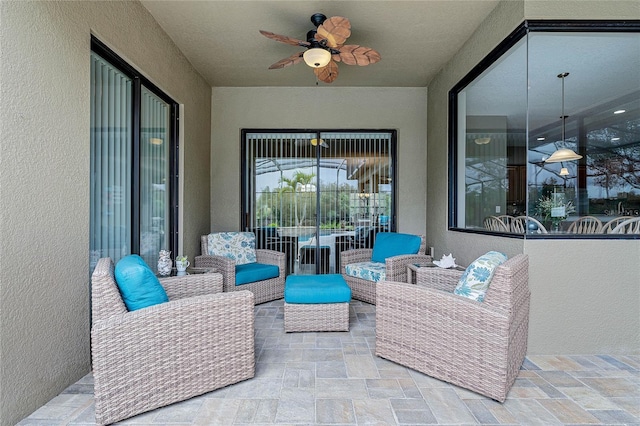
[475,281]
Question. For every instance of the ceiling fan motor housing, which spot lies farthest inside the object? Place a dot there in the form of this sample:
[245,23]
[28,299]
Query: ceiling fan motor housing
[317,19]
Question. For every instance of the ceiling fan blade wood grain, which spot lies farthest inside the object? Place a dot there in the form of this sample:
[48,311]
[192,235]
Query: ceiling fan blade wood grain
[296,58]
[327,74]
[335,30]
[352,54]
[284,39]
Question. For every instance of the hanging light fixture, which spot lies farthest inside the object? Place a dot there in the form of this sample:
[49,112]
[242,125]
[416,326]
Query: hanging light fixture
[564,171]
[563,154]
[317,57]
[322,143]
[482,141]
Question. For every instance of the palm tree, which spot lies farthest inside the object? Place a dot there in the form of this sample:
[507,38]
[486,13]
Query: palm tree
[295,184]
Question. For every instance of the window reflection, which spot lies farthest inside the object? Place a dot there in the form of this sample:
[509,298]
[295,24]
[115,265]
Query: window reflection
[510,122]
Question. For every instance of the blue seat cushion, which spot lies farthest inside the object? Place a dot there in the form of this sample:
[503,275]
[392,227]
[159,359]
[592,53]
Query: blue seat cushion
[311,289]
[369,271]
[254,272]
[389,244]
[138,285]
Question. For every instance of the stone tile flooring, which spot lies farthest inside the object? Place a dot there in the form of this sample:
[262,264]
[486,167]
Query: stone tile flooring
[335,379]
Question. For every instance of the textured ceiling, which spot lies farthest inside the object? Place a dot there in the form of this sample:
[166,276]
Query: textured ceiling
[415,38]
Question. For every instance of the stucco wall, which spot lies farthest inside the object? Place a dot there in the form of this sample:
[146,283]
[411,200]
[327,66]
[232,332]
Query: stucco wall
[585,294]
[44,175]
[233,109]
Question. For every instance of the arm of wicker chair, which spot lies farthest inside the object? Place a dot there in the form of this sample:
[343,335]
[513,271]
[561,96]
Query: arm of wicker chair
[223,265]
[147,359]
[192,285]
[272,257]
[397,265]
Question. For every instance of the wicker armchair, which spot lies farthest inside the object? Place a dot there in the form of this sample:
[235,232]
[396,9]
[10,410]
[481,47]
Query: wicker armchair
[145,359]
[476,345]
[263,291]
[396,270]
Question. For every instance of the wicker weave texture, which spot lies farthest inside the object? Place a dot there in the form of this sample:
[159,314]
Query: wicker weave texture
[169,352]
[263,291]
[316,317]
[478,346]
[396,270]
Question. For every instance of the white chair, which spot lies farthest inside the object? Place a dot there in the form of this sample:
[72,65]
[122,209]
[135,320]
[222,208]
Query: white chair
[520,225]
[629,226]
[586,225]
[493,223]
[506,219]
[610,225]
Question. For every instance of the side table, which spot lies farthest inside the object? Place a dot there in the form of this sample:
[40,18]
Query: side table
[412,270]
[190,271]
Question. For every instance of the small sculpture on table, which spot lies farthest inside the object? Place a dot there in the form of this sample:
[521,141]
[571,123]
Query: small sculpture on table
[164,263]
[447,261]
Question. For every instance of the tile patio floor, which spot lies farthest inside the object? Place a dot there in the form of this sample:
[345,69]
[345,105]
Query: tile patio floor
[335,379]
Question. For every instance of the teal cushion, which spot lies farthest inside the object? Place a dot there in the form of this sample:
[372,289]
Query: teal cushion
[475,280]
[138,285]
[311,289]
[389,244]
[370,271]
[253,272]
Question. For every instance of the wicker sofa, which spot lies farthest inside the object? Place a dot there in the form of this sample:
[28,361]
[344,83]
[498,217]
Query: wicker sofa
[263,291]
[479,346]
[396,270]
[146,358]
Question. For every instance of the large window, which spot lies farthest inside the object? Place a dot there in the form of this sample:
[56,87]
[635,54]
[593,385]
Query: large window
[313,194]
[133,158]
[545,134]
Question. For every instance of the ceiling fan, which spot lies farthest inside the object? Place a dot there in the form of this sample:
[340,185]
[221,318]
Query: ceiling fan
[325,47]
[313,142]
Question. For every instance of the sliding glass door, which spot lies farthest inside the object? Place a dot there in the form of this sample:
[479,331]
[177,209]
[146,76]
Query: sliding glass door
[312,194]
[133,163]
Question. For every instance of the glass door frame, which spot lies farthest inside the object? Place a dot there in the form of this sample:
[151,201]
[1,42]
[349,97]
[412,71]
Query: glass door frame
[248,185]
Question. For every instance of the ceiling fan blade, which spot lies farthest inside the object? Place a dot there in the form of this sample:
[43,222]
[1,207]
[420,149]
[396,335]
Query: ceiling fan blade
[284,39]
[334,30]
[352,54]
[327,74]
[296,58]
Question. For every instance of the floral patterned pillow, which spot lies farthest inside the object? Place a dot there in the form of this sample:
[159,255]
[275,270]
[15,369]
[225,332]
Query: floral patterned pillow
[475,280]
[237,246]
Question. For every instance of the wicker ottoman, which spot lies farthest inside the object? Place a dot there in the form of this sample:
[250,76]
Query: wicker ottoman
[316,303]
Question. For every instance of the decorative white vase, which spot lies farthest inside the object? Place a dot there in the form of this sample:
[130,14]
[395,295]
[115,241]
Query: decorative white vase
[164,263]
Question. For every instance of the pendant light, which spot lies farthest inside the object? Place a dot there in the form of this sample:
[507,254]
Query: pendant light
[563,154]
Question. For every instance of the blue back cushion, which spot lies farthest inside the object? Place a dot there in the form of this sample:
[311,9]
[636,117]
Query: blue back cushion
[253,272]
[137,283]
[389,244]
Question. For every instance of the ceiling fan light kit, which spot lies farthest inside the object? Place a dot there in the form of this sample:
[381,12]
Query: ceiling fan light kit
[317,57]
[325,47]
